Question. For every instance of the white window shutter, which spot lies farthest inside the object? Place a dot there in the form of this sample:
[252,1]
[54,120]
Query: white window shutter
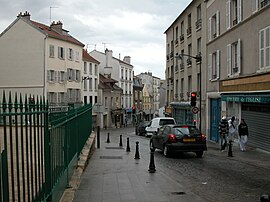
[239,12]
[255,5]
[217,23]
[55,76]
[210,66]
[209,29]
[218,64]
[239,56]
[229,58]
[228,14]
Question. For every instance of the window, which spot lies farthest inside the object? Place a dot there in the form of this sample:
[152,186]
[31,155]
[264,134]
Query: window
[61,76]
[264,48]
[78,75]
[96,84]
[189,83]
[181,32]
[90,84]
[214,65]
[85,85]
[255,5]
[182,88]
[77,56]
[189,60]
[61,97]
[199,17]
[176,35]
[51,76]
[61,53]
[234,58]
[213,26]
[90,69]
[70,54]
[189,25]
[199,46]
[52,97]
[233,12]
[52,51]
[85,67]
[96,70]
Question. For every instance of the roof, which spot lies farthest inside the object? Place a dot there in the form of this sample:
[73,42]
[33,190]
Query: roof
[108,83]
[89,58]
[51,33]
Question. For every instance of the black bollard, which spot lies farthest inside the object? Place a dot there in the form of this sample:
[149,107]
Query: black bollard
[108,138]
[128,147]
[230,154]
[98,137]
[121,143]
[137,155]
[152,167]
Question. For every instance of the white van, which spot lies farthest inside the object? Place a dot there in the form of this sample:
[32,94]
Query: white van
[156,123]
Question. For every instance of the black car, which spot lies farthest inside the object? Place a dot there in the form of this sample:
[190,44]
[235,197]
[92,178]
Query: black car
[140,128]
[179,138]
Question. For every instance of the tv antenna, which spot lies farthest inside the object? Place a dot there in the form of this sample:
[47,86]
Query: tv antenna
[51,13]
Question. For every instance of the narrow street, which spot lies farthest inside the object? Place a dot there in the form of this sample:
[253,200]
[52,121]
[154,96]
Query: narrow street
[215,177]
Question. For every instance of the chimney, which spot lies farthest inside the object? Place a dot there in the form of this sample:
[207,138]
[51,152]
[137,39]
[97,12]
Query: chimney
[57,26]
[26,15]
[127,59]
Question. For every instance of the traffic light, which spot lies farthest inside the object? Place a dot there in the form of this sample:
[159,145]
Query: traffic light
[134,110]
[193,99]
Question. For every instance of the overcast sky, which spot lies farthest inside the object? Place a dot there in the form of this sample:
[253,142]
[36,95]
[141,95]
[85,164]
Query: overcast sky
[132,28]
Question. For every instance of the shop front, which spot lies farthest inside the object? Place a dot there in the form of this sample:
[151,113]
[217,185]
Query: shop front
[255,109]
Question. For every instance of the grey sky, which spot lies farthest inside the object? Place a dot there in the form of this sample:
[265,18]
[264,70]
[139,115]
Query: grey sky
[127,27]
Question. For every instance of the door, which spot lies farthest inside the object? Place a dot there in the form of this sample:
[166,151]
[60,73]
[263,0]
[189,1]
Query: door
[215,117]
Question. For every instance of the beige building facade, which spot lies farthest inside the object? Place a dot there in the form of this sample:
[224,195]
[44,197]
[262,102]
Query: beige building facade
[238,58]
[185,43]
[41,60]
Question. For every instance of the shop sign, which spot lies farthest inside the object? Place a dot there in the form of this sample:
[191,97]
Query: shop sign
[250,99]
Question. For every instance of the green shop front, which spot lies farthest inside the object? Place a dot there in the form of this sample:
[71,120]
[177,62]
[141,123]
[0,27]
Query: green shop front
[255,109]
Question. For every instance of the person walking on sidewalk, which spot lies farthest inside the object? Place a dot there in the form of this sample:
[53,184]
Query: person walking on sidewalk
[223,132]
[232,134]
[243,134]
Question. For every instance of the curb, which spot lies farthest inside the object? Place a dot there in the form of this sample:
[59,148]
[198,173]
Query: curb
[83,160]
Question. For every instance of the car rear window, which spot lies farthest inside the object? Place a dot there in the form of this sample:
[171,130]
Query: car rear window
[163,122]
[186,130]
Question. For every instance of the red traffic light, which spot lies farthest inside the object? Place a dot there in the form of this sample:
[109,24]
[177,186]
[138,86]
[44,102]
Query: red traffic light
[193,99]
[193,94]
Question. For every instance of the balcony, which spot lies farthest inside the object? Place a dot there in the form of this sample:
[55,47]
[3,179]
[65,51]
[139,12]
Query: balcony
[265,3]
[189,62]
[214,35]
[198,24]
[182,38]
[171,54]
[176,41]
[176,68]
[182,66]
[235,21]
[189,31]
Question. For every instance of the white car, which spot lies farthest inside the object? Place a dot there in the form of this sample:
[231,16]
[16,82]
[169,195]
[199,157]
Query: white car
[156,123]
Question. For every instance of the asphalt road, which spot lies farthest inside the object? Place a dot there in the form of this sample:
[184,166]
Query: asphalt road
[215,177]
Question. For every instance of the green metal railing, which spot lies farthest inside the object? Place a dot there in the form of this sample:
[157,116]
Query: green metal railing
[38,148]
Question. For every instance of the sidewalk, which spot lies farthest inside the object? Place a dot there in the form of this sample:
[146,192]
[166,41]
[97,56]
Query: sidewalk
[113,174]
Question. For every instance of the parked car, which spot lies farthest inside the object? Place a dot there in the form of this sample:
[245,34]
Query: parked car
[140,128]
[156,123]
[179,138]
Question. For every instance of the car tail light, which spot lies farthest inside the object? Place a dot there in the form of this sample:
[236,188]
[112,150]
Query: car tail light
[203,136]
[172,138]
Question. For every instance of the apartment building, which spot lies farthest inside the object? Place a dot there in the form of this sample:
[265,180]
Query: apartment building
[151,94]
[238,57]
[122,72]
[186,67]
[41,60]
[138,97]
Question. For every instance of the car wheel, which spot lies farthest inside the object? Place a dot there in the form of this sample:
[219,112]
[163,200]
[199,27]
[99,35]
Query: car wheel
[166,151]
[199,154]
[152,147]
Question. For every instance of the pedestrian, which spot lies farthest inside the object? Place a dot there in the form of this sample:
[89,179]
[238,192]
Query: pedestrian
[231,135]
[223,132]
[243,134]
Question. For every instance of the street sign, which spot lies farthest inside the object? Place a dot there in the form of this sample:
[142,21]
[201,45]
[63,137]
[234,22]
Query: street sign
[195,110]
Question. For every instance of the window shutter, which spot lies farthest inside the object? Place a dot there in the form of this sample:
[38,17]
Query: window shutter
[59,52]
[239,13]
[209,29]
[217,23]
[210,66]
[58,97]
[48,75]
[228,14]
[55,76]
[229,55]
[239,56]
[218,64]
[255,5]
[267,47]
[59,76]
[65,77]
[261,44]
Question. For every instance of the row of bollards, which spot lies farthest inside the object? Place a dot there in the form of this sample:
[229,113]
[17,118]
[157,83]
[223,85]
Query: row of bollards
[152,167]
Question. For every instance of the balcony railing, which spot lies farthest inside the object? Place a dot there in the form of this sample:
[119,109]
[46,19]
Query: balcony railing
[189,61]
[198,24]
[176,41]
[265,3]
[171,54]
[189,30]
[182,37]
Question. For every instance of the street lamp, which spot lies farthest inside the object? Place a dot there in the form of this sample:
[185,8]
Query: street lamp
[198,59]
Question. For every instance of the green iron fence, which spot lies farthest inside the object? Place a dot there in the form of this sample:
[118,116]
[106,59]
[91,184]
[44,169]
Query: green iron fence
[39,147]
